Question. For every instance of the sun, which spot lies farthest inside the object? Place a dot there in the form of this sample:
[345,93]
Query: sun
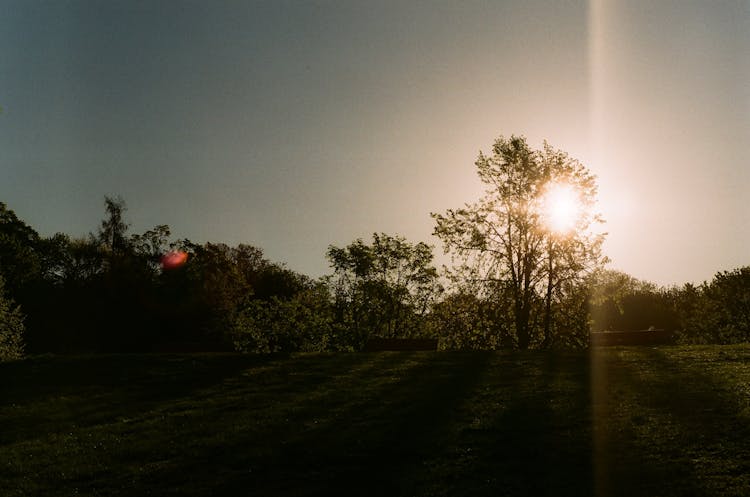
[561,207]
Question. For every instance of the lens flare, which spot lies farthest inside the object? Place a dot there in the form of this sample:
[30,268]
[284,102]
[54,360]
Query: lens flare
[174,259]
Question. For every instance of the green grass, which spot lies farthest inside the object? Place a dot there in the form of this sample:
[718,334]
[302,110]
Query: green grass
[669,421]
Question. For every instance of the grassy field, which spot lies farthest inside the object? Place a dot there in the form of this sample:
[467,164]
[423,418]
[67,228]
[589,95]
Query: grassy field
[669,421]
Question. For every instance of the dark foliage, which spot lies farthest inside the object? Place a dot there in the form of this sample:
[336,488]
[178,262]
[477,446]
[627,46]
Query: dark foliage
[110,292]
[11,328]
[384,289]
[510,248]
[715,312]
[622,303]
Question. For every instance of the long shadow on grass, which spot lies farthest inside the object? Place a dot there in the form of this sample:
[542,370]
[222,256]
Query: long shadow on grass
[526,432]
[445,424]
[621,454]
[655,428]
[48,394]
[142,413]
[695,430]
[365,440]
[188,446]
[262,406]
[544,442]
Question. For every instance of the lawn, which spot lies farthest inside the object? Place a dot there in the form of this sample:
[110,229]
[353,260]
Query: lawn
[666,421]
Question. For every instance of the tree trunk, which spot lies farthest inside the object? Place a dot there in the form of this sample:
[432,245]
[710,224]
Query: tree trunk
[522,326]
[548,301]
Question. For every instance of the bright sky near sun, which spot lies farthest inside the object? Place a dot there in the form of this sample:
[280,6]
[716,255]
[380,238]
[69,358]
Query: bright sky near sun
[295,125]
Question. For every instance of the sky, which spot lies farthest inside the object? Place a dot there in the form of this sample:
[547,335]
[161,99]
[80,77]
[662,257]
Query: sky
[293,125]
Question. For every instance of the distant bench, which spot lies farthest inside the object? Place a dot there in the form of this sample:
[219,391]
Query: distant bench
[641,337]
[383,344]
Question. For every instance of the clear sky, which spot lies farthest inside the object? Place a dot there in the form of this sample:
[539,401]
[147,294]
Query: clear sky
[295,125]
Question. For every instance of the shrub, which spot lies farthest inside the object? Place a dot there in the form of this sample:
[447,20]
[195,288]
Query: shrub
[11,328]
[303,323]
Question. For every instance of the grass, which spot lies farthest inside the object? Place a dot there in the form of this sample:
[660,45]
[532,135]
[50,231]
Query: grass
[666,421]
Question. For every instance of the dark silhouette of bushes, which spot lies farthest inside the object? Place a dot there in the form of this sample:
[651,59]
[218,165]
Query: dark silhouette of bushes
[109,292]
[717,311]
[11,328]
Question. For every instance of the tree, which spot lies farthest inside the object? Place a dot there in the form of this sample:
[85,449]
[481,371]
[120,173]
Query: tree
[621,302]
[113,229]
[383,289]
[715,312]
[463,321]
[731,289]
[530,237]
[19,257]
[151,245]
[218,283]
[304,322]
[60,306]
[11,328]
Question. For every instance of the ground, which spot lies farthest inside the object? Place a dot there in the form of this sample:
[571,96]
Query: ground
[657,421]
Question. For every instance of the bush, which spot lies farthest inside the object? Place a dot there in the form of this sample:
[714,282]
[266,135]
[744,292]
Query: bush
[303,323]
[716,312]
[465,322]
[11,328]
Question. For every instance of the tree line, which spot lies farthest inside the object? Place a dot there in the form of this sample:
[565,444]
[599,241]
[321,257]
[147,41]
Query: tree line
[522,277]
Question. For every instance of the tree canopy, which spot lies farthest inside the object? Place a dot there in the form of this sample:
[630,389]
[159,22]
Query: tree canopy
[528,272]
[384,288]
[506,244]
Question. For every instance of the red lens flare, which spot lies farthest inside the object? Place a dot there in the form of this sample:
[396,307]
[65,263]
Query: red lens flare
[173,259]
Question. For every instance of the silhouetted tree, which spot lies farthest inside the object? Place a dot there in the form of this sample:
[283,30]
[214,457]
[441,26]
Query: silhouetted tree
[462,320]
[151,246]
[113,229]
[62,306]
[11,327]
[218,282]
[715,312]
[731,289]
[383,289]
[306,322]
[20,264]
[115,276]
[110,292]
[507,247]
[620,302]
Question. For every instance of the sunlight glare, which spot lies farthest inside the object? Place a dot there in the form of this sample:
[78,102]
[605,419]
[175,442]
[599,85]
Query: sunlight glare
[561,207]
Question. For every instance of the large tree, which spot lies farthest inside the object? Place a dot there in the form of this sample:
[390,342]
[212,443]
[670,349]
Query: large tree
[530,238]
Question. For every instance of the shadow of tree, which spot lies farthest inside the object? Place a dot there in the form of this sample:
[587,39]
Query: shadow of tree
[526,432]
[692,426]
[626,421]
[664,419]
[364,440]
[49,394]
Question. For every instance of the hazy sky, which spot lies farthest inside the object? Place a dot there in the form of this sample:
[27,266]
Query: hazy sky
[295,125]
